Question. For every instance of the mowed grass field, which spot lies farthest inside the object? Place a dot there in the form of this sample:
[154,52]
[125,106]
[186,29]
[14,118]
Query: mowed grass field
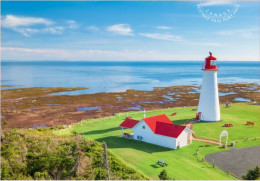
[183,163]
[238,114]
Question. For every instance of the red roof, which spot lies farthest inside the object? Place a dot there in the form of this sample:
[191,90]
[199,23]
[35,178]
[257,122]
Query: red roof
[171,130]
[152,121]
[129,123]
[162,125]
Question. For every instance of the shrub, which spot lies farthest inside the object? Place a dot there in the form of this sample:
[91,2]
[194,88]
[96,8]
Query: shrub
[163,175]
[101,174]
[252,174]
[74,133]
[4,122]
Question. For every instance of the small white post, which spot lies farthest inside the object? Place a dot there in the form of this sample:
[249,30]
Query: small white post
[144,113]
[226,140]
[220,140]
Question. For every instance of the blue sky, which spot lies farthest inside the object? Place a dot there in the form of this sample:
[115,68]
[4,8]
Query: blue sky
[84,30]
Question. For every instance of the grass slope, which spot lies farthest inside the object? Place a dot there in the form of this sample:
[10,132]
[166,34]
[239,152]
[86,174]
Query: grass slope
[183,163]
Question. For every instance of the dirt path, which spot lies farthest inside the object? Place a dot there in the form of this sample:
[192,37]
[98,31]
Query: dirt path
[205,140]
[190,126]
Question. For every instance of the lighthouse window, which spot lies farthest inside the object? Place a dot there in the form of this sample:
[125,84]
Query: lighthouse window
[143,127]
[213,62]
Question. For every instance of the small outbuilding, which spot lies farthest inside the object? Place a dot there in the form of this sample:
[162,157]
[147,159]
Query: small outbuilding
[158,130]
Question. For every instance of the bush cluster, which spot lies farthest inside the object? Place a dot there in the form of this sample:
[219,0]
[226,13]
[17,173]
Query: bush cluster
[40,155]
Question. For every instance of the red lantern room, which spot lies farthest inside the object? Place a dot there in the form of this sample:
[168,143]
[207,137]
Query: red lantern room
[210,63]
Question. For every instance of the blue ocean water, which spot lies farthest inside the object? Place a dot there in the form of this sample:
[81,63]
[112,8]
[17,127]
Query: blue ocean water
[120,76]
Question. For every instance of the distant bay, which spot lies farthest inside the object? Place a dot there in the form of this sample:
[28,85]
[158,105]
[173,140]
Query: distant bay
[120,76]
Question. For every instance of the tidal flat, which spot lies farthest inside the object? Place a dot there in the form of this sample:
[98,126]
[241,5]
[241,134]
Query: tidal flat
[29,107]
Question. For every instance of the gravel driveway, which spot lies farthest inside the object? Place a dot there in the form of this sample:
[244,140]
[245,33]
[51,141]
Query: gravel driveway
[236,161]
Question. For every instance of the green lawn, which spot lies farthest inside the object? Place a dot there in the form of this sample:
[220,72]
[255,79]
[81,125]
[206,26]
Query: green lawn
[238,115]
[183,163]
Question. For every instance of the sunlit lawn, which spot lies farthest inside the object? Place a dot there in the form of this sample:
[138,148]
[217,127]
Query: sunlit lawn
[183,163]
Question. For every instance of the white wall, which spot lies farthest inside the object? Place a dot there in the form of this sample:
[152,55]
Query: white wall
[183,138]
[209,100]
[149,136]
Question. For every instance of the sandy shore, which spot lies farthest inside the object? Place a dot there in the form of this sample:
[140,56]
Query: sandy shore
[29,107]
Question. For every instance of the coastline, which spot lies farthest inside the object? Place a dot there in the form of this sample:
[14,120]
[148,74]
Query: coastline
[35,106]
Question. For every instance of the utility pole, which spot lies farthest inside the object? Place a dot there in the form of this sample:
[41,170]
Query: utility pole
[106,159]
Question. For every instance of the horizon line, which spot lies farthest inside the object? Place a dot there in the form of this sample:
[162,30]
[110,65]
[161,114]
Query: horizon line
[122,60]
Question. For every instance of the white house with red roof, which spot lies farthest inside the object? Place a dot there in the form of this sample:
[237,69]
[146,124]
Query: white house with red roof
[158,130]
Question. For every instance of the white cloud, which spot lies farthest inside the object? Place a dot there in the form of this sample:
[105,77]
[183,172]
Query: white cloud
[216,3]
[92,28]
[11,21]
[121,29]
[54,30]
[168,37]
[72,24]
[164,27]
[246,33]
[28,26]
[26,31]
[30,31]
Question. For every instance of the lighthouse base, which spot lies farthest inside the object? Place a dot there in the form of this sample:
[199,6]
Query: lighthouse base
[210,121]
[208,109]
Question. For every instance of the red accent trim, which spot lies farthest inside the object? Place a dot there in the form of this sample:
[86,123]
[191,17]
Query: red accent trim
[250,123]
[173,114]
[228,125]
[198,116]
[210,57]
[208,65]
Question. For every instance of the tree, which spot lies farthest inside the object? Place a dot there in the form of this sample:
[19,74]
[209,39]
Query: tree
[252,174]
[163,175]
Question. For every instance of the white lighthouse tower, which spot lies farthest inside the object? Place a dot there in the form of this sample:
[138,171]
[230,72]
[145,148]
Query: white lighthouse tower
[208,109]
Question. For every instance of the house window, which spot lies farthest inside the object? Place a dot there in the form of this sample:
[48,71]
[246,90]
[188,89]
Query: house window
[143,127]
[139,137]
